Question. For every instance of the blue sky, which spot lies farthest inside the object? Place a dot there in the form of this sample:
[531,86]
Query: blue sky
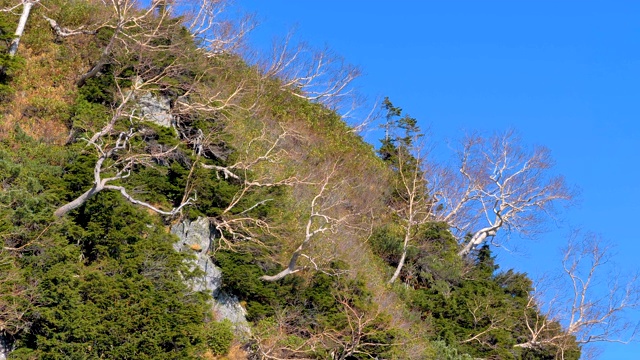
[564,74]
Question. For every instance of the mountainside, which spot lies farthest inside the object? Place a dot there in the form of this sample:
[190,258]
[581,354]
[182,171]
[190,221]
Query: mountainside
[121,122]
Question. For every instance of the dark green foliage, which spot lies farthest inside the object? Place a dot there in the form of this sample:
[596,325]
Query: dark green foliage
[118,293]
[99,89]
[219,336]
[321,304]
[431,260]
[463,300]
[107,283]
[30,182]
[399,143]
[483,313]
[242,278]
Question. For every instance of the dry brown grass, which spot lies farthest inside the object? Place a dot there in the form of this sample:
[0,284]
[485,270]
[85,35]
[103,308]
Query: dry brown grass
[45,87]
[235,353]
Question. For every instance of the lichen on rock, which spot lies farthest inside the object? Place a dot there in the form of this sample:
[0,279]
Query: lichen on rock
[197,234]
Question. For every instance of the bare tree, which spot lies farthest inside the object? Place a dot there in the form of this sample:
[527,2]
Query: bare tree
[359,334]
[326,216]
[359,337]
[211,26]
[499,185]
[404,152]
[316,75]
[596,309]
[271,339]
[116,157]
[146,35]
[413,205]
[26,11]
[250,172]
[134,29]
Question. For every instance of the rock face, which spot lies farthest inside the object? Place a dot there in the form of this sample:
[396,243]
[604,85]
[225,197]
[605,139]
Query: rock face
[156,109]
[196,237]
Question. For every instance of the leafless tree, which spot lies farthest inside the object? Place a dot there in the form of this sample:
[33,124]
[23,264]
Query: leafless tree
[326,216]
[413,205]
[255,170]
[26,5]
[499,185]
[133,30]
[116,158]
[358,337]
[316,75]
[595,310]
[487,319]
[213,29]
[137,32]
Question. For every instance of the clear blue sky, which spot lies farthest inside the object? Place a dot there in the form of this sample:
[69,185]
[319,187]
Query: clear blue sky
[565,74]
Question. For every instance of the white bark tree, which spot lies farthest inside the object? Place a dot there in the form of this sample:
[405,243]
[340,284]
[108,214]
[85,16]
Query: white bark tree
[358,335]
[213,28]
[116,160]
[26,5]
[325,217]
[315,75]
[26,10]
[264,150]
[414,205]
[500,185]
[597,307]
[404,152]
[142,33]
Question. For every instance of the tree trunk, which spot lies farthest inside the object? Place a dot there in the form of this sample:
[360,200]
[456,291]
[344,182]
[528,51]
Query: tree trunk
[289,270]
[407,237]
[66,208]
[104,59]
[477,239]
[399,268]
[26,9]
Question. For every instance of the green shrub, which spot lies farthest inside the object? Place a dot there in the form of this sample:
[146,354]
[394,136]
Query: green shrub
[220,336]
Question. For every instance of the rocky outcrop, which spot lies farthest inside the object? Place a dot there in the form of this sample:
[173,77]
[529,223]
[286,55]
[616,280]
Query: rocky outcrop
[155,108]
[196,237]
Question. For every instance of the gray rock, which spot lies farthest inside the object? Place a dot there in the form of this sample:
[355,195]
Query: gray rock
[156,109]
[196,238]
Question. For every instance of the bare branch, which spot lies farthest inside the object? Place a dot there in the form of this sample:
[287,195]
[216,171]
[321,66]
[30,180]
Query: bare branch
[499,185]
[26,10]
[323,218]
[215,31]
[64,32]
[314,75]
[123,165]
[593,311]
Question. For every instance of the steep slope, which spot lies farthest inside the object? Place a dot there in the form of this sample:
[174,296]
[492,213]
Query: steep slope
[92,183]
